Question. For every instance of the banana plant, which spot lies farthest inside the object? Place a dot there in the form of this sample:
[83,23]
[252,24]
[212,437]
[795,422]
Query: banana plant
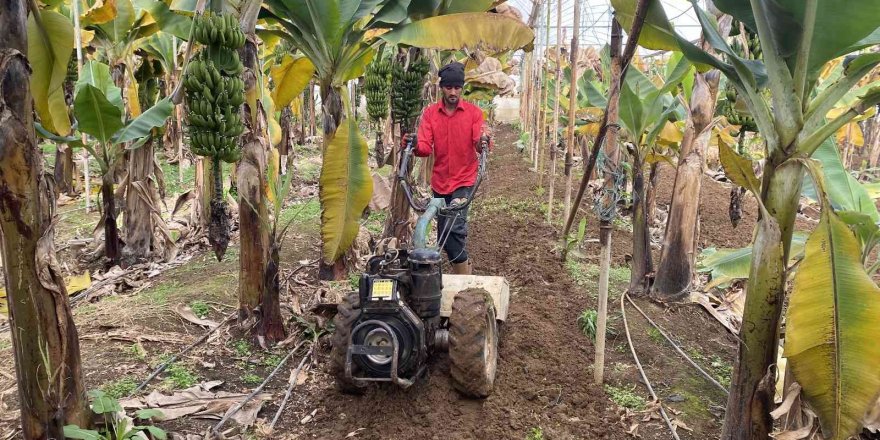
[645,110]
[340,37]
[825,341]
[98,110]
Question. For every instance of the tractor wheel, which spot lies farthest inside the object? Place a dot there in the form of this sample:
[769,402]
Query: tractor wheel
[347,313]
[473,343]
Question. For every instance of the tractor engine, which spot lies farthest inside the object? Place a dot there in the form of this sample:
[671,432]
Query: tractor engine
[400,312]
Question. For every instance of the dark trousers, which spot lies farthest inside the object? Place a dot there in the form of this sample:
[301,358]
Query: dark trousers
[457,224]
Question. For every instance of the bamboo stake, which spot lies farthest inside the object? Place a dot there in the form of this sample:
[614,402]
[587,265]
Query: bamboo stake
[555,127]
[545,102]
[536,87]
[77,38]
[605,223]
[631,44]
[572,103]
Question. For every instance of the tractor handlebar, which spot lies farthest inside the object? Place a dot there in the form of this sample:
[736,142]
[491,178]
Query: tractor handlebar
[403,178]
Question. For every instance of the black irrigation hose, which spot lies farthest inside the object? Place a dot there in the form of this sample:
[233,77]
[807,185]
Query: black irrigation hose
[632,349]
[677,348]
[290,386]
[165,365]
[216,429]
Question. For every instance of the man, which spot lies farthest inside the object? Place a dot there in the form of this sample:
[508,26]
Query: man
[454,131]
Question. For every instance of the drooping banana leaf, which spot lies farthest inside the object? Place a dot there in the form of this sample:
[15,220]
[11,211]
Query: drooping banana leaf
[846,193]
[96,115]
[726,265]
[290,78]
[345,188]
[490,32]
[50,43]
[832,327]
[143,125]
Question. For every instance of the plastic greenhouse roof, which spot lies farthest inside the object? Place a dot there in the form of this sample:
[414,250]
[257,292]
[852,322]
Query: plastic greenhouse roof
[595,20]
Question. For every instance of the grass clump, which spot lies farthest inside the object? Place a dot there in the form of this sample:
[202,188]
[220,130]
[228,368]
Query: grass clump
[251,379]
[199,308]
[588,323]
[535,434]
[178,376]
[120,388]
[655,335]
[242,348]
[626,397]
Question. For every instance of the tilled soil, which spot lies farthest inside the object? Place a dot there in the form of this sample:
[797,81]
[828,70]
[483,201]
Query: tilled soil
[544,379]
[544,376]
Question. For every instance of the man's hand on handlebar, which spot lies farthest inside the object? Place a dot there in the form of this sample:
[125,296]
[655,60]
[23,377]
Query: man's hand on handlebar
[483,143]
[404,141]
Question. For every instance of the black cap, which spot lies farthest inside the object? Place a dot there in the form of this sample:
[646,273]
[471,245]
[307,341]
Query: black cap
[452,75]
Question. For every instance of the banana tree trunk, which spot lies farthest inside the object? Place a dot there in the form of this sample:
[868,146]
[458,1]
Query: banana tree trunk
[112,245]
[651,194]
[204,192]
[44,338]
[752,385]
[286,124]
[642,264]
[258,306]
[874,155]
[64,169]
[676,269]
[311,106]
[139,224]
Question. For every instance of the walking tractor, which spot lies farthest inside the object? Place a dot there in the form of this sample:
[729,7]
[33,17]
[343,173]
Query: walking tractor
[406,311]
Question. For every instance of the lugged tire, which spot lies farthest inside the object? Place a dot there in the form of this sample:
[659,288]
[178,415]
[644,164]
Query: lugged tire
[348,311]
[473,343]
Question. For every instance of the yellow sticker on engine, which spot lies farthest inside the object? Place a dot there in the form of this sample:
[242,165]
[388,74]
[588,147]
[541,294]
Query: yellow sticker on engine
[382,289]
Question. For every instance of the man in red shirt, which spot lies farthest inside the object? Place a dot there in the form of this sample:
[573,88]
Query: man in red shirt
[454,131]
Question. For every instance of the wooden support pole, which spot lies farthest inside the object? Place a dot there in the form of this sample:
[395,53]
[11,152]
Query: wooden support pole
[555,127]
[613,95]
[545,102]
[572,108]
[605,222]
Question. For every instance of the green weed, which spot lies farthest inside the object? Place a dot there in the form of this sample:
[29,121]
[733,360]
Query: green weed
[625,397]
[587,322]
[242,348]
[376,222]
[655,335]
[137,351]
[722,369]
[120,388]
[535,434]
[251,379]
[302,212]
[5,344]
[309,171]
[273,361]
[587,275]
[179,377]
[159,294]
[199,308]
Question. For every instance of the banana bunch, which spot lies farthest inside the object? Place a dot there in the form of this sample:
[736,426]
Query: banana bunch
[755,47]
[215,90]
[218,30]
[728,109]
[406,91]
[377,84]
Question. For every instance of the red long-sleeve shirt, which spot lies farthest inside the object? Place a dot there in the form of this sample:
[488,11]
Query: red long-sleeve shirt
[453,139]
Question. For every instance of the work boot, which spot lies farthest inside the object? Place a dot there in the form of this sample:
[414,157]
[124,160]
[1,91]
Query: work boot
[463,268]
